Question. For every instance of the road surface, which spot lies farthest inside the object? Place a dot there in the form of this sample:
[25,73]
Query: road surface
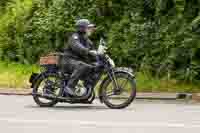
[19,114]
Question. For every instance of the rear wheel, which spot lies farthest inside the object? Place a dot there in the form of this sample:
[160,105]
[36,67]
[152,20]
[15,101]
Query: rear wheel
[49,84]
[121,97]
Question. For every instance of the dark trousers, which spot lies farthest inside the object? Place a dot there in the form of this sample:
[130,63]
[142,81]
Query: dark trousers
[79,69]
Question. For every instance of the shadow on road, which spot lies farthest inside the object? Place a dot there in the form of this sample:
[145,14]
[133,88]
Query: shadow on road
[73,107]
[70,107]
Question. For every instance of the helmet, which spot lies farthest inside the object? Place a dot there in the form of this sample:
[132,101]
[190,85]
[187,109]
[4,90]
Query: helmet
[83,24]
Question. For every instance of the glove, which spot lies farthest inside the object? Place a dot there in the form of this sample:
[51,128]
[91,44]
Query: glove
[93,53]
[102,49]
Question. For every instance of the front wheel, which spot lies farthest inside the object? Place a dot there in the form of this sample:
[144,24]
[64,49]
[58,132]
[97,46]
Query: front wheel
[123,95]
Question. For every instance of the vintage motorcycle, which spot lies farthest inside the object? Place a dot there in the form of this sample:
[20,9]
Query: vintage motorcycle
[116,86]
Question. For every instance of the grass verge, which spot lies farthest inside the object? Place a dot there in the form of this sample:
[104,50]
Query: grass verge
[14,75]
[147,83]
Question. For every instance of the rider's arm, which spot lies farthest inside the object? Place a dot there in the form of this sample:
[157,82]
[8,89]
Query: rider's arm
[77,47]
[90,43]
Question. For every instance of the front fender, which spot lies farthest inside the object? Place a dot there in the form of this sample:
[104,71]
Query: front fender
[128,71]
[125,70]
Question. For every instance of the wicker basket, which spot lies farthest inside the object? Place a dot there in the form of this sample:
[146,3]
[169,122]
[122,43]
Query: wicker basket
[51,59]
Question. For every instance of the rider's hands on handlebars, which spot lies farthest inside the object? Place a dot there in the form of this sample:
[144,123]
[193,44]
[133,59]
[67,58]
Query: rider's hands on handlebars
[98,52]
[93,52]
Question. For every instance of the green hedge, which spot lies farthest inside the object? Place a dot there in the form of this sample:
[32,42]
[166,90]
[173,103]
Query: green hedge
[158,36]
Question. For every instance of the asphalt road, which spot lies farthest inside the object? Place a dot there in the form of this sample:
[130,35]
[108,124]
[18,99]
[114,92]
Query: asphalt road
[20,114]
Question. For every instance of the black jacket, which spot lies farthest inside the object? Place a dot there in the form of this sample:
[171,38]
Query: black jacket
[78,47]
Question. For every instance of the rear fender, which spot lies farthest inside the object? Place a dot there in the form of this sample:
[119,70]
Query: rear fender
[34,77]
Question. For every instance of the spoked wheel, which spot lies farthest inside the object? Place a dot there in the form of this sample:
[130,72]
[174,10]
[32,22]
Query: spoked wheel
[123,95]
[48,85]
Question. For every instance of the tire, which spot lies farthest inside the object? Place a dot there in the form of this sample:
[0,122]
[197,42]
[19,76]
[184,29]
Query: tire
[132,93]
[36,98]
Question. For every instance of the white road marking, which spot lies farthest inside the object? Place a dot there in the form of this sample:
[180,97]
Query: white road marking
[100,123]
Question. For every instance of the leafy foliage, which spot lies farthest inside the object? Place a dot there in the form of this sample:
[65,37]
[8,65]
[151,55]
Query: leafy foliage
[158,36]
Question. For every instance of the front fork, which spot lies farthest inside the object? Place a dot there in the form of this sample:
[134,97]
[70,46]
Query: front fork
[112,76]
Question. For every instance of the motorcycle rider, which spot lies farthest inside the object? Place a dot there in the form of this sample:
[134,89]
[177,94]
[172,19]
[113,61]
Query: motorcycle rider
[79,53]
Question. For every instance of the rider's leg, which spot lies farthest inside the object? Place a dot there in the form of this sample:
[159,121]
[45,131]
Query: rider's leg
[80,68]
